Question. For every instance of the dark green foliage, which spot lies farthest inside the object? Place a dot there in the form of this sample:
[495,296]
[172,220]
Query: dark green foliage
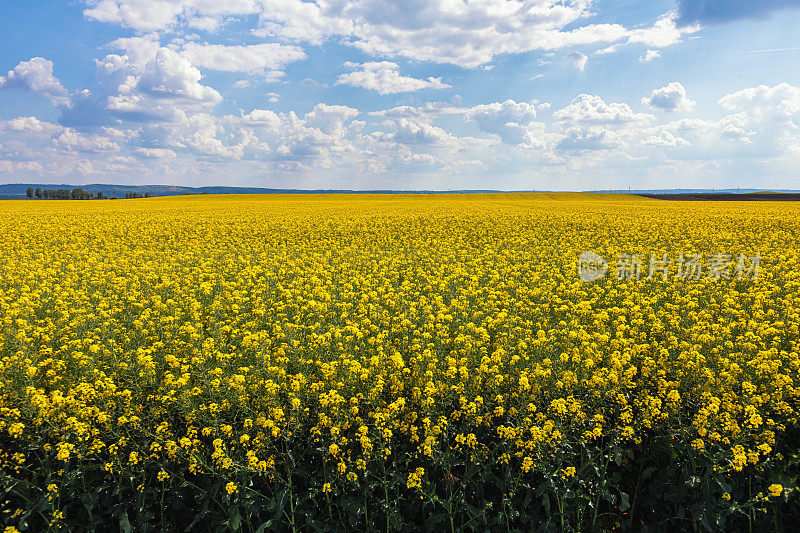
[653,486]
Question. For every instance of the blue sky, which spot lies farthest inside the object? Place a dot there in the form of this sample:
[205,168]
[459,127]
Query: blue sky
[420,94]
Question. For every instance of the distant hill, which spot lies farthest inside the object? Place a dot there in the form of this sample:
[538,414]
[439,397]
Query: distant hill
[694,191]
[17,190]
[745,196]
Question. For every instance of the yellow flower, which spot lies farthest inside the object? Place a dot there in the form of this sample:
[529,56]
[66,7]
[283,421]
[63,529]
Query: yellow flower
[231,487]
[775,489]
[415,478]
[527,464]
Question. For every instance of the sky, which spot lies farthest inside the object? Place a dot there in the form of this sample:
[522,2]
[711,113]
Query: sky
[403,95]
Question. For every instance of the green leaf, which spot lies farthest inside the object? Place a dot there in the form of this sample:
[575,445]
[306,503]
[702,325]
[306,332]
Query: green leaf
[235,521]
[125,523]
[263,527]
[624,502]
[649,471]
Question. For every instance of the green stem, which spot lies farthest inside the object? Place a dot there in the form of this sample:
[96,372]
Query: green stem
[385,495]
[366,513]
[291,505]
[635,499]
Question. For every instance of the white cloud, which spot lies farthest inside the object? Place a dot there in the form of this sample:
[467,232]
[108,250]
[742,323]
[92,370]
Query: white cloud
[30,125]
[578,60]
[36,75]
[650,55]
[512,121]
[671,97]
[589,124]
[607,50]
[155,15]
[665,138]
[138,50]
[330,119]
[155,153]
[263,118]
[72,140]
[762,103]
[171,75]
[142,15]
[663,33]
[587,109]
[591,138]
[385,78]
[209,24]
[469,34]
[427,110]
[248,58]
[411,131]
[160,87]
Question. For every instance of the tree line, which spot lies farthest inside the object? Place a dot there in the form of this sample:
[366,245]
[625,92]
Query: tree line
[76,194]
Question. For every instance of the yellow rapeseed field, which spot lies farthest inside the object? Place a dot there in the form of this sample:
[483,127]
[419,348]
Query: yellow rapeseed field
[365,361]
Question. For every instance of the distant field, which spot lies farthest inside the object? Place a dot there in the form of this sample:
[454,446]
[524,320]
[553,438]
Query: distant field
[743,197]
[398,362]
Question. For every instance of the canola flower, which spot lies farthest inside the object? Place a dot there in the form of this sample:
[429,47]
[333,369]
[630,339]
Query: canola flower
[215,336]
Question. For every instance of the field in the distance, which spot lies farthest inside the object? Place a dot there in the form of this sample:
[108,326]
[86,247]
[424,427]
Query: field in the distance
[397,362]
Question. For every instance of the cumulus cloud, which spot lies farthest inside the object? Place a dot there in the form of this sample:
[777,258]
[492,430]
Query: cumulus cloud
[266,57]
[30,125]
[764,103]
[171,75]
[330,119]
[665,32]
[153,15]
[589,124]
[512,121]
[262,118]
[427,110]
[578,60]
[650,55]
[416,131]
[671,97]
[155,153]
[36,75]
[72,140]
[162,117]
[592,138]
[607,50]
[469,34]
[162,87]
[587,109]
[385,78]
